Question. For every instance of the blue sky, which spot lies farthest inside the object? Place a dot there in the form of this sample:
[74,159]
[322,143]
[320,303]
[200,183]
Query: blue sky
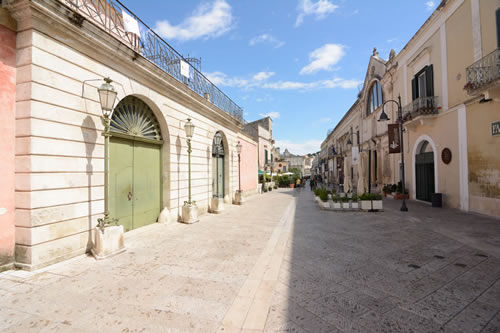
[300,61]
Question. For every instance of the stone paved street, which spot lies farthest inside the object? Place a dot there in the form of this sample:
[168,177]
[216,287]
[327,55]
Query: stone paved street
[277,263]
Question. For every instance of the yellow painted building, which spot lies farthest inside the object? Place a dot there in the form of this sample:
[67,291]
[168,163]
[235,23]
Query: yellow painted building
[448,79]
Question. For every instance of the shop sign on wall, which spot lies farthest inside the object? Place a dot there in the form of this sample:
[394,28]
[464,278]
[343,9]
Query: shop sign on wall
[495,128]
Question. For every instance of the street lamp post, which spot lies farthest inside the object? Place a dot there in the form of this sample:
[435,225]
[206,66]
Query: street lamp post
[107,97]
[384,117]
[239,195]
[108,239]
[189,210]
[238,148]
[189,128]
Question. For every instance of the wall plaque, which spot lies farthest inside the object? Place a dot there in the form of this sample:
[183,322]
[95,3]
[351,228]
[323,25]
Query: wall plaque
[446,155]
[495,128]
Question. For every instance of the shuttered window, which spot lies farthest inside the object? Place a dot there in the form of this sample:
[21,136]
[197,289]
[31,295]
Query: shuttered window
[422,84]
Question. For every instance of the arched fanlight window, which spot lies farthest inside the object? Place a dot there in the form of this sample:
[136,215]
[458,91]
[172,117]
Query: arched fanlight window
[134,117]
[375,98]
[217,146]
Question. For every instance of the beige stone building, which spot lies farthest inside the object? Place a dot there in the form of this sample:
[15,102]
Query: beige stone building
[63,50]
[448,80]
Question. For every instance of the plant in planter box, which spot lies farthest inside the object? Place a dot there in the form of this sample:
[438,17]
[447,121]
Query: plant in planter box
[336,202]
[275,187]
[265,189]
[345,202]
[366,201]
[399,192]
[354,202]
[387,189]
[377,202]
[323,195]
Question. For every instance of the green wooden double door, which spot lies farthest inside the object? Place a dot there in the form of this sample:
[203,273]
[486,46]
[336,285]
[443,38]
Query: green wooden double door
[135,185]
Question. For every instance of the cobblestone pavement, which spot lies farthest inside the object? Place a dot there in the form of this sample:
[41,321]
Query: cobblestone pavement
[277,263]
[428,270]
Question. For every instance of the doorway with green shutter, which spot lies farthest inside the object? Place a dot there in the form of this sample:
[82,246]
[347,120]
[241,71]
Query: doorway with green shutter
[134,164]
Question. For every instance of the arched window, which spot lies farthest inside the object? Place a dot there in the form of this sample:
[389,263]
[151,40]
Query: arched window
[375,98]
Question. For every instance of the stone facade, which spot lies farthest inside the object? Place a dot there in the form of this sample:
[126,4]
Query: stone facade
[262,132]
[59,147]
[449,147]
[7,138]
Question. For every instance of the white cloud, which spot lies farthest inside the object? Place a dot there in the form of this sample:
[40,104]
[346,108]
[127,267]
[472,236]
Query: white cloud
[266,38]
[221,79]
[319,9]
[430,4]
[273,115]
[324,58]
[261,76]
[299,148]
[208,20]
[260,80]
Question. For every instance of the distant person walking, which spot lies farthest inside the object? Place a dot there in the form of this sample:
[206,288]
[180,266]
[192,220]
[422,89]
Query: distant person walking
[297,183]
[311,184]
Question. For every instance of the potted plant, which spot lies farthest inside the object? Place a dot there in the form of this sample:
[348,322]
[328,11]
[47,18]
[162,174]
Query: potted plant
[344,202]
[366,201]
[399,192]
[354,203]
[387,189]
[377,202]
[336,202]
[275,186]
[323,195]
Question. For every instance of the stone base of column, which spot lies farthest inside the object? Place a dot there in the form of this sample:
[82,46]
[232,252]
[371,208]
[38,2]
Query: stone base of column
[189,213]
[108,242]
[238,198]
[217,205]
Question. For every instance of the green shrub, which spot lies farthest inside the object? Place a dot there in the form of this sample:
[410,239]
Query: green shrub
[399,188]
[354,198]
[283,181]
[265,189]
[344,199]
[275,187]
[370,196]
[335,198]
[323,196]
[334,191]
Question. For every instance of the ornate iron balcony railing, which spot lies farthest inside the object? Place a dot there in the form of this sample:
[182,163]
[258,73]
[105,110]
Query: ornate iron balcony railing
[483,71]
[107,14]
[421,106]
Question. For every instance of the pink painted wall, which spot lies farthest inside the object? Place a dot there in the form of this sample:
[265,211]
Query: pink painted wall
[7,141]
[248,164]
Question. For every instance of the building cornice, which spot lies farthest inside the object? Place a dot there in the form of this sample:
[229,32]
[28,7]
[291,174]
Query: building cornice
[46,16]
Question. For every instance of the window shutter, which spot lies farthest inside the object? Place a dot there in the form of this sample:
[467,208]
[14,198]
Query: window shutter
[414,89]
[429,78]
[498,27]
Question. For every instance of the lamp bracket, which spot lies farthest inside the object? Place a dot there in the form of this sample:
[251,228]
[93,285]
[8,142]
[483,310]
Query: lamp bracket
[84,81]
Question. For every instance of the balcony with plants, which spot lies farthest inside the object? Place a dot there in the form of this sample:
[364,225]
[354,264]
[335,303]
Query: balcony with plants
[421,106]
[484,74]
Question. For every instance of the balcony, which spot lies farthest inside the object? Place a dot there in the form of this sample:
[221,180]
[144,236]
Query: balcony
[109,16]
[422,106]
[484,73]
